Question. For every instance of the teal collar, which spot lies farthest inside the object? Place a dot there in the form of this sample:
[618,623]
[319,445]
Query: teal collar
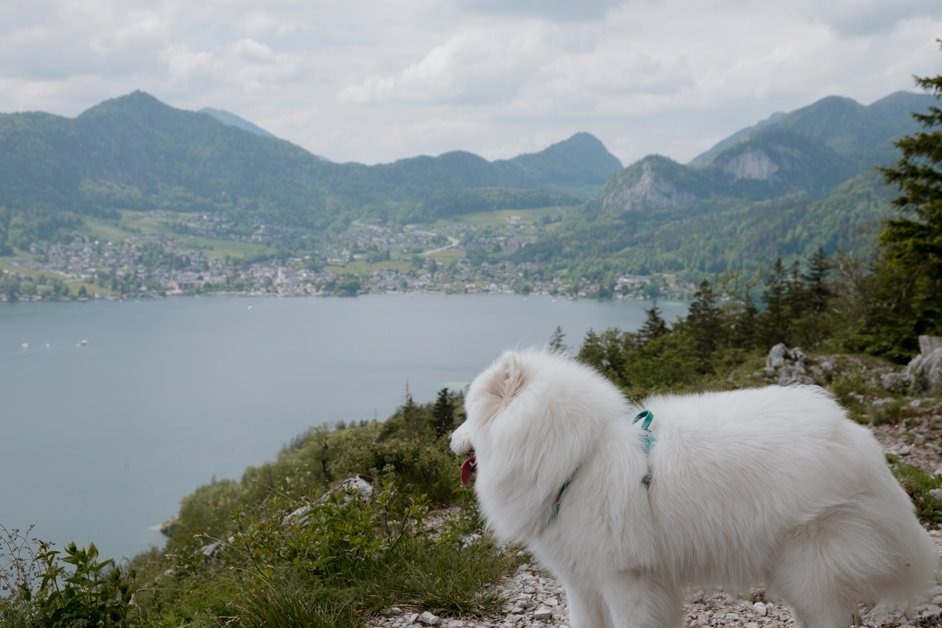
[647,443]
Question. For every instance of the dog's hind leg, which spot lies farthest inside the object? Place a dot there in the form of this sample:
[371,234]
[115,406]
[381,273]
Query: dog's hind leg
[811,577]
[638,600]
[586,610]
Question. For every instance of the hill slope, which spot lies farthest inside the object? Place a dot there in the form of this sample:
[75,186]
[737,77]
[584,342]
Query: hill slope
[135,152]
[782,187]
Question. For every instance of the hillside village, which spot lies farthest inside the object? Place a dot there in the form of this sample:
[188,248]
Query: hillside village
[406,259]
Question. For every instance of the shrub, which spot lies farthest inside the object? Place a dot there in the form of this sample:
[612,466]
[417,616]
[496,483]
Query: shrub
[919,484]
[43,587]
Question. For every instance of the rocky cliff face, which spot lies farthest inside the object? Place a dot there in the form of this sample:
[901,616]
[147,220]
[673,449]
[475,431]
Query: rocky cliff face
[753,165]
[649,184]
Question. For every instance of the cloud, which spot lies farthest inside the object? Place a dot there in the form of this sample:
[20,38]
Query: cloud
[553,10]
[490,76]
[869,17]
[473,66]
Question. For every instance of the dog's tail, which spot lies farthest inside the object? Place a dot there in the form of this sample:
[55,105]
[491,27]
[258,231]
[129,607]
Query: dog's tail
[920,564]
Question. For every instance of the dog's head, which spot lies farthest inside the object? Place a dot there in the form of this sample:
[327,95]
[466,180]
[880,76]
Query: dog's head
[534,413]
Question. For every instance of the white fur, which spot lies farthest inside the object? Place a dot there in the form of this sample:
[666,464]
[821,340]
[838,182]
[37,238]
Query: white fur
[771,486]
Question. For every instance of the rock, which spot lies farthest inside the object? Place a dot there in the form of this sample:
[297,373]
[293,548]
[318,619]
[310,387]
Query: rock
[776,358]
[168,527]
[896,381]
[925,370]
[930,611]
[300,514]
[759,609]
[351,488]
[928,344]
[787,366]
[211,549]
[936,493]
[428,619]
[543,613]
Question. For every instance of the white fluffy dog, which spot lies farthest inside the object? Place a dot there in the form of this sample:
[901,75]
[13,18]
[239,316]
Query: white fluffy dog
[628,504]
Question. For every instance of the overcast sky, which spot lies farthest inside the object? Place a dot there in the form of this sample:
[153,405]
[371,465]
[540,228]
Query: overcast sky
[374,81]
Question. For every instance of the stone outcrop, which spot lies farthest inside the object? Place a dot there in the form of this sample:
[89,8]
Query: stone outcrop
[787,366]
[925,370]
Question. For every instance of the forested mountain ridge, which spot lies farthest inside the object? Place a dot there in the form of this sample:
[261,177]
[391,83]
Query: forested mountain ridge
[784,187]
[810,150]
[134,152]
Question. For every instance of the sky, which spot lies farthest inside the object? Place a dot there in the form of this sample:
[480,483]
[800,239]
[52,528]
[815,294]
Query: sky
[378,80]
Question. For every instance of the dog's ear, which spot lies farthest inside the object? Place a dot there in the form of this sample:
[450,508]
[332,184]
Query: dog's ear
[509,379]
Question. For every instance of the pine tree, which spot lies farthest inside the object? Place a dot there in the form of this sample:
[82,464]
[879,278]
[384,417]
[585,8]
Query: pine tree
[817,291]
[705,323]
[556,344]
[654,325]
[774,320]
[912,243]
[443,413]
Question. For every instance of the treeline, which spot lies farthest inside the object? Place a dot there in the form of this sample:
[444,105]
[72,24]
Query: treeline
[834,304]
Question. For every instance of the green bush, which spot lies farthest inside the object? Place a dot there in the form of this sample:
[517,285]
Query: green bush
[44,587]
[918,484]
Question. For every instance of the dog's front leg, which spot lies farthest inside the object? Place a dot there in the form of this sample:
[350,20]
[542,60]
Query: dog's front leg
[638,600]
[586,609]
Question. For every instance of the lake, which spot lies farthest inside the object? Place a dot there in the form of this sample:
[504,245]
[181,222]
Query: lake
[111,412]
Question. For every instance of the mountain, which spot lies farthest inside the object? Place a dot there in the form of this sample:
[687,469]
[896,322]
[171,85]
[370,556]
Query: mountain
[135,152]
[581,157]
[782,187]
[231,119]
[810,151]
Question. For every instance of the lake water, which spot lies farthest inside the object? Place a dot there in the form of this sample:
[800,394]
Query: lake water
[100,440]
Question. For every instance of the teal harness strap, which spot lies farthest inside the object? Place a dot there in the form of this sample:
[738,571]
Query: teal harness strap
[647,440]
[559,498]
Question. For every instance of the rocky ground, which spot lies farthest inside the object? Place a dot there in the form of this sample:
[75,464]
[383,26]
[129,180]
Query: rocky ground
[536,600]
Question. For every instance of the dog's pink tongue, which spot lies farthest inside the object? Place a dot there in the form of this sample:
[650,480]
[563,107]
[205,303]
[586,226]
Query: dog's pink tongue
[467,470]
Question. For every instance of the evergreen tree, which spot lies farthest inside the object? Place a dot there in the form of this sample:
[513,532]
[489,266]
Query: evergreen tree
[654,325]
[744,317]
[443,413]
[912,243]
[556,344]
[774,320]
[817,291]
[705,324]
[411,415]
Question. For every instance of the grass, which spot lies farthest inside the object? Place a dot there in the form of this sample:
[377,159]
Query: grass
[503,217]
[138,224]
[918,484]
[448,255]
[220,249]
[363,268]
